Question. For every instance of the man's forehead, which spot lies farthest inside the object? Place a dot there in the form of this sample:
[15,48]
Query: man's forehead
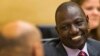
[70,13]
[73,10]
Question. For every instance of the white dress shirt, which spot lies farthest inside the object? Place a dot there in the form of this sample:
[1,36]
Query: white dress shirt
[75,52]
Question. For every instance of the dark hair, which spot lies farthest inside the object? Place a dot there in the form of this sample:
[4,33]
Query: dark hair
[79,2]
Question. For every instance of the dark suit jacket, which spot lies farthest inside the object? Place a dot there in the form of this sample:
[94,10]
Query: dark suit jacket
[55,48]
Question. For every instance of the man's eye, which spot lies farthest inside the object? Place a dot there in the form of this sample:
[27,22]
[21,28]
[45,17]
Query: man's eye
[79,23]
[64,27]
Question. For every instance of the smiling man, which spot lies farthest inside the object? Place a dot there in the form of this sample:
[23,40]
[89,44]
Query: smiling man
[72,28]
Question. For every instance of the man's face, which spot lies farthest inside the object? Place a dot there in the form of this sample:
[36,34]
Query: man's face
[72,27]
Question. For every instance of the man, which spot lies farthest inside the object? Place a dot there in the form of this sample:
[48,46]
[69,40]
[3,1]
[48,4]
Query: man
[20,38]
[71,25]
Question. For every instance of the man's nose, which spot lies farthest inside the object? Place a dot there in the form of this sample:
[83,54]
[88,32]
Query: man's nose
[74,30]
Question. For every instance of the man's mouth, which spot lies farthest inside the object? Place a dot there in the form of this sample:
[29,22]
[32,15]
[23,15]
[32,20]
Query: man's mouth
[76,38]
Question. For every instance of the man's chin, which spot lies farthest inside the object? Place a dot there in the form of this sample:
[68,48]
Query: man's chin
[77,45]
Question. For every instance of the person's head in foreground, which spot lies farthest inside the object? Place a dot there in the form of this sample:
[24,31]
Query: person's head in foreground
[20,38]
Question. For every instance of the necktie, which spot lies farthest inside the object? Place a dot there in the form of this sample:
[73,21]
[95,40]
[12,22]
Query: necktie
[82,53]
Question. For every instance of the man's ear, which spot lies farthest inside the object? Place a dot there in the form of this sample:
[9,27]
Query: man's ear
[87,18]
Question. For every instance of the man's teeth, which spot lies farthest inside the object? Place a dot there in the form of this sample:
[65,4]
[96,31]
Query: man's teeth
[77,37]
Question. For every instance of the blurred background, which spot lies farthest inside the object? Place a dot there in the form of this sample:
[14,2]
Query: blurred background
[39,12]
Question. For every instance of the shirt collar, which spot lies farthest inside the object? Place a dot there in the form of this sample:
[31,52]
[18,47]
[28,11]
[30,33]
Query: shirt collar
[75,52]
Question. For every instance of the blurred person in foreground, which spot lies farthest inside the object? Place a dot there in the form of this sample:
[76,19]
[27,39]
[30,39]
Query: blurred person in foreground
[20,38]
[92,10]
[72,28]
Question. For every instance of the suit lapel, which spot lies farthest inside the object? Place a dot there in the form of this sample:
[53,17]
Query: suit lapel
[91,49]
[61,50]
